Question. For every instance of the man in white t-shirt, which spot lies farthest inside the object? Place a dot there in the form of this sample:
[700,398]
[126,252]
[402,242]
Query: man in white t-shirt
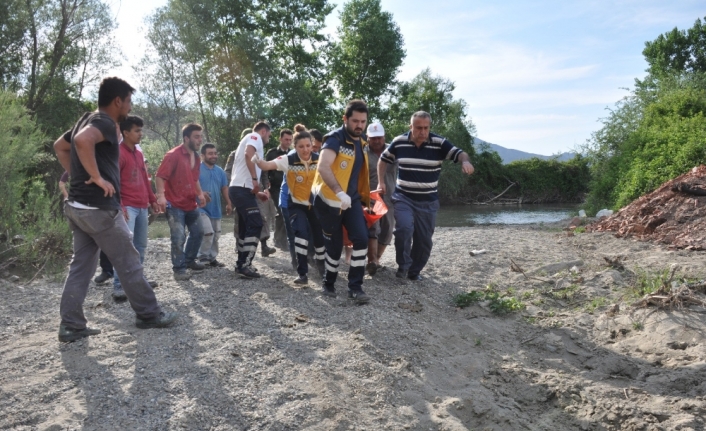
[243,191]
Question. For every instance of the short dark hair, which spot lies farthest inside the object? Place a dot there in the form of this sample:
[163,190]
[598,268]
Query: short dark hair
[189,128]
[113,87]
[131,120]
[206,147]
[356,105]
[260,125]
[316,135]
[285,132]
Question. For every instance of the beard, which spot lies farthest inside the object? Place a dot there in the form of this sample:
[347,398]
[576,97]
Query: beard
[354,132]
[192,146]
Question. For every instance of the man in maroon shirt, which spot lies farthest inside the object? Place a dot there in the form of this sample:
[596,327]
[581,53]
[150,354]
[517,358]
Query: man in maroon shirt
[136,194]
[178,189]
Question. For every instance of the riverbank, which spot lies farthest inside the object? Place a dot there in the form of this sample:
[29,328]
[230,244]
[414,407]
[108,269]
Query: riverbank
[262,354]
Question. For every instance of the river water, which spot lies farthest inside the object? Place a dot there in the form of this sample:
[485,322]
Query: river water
[448,216]
[469,215]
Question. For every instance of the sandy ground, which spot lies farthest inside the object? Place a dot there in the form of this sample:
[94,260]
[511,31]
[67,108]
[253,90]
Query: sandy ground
[262,354]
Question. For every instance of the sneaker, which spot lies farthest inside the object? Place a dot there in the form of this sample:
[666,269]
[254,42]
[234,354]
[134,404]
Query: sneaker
[195,266]
[372,268]
[161,321]
[181,276]
[119,294]
[216,264]
[103,277]
[359,297]
[415,277]
[266,251]
[67,335]
[247,272]
[329,291]
[321,266]
[302,279]
[401,273]
[153,283]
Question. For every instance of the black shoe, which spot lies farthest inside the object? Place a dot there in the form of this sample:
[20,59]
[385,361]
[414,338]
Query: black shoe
[161,321]
[359,297]
[302,279]
[266,251]
[103,277]
[401,273]
[329,291]
[195,266]
[67,335]
[216,264]
[119,294]
[247,272]
[415,277]
[181,275]
[372,268]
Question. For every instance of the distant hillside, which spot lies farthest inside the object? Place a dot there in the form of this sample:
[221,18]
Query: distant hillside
[509,155]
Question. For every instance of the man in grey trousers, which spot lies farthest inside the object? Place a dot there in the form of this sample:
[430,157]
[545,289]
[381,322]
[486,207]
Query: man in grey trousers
[90,153]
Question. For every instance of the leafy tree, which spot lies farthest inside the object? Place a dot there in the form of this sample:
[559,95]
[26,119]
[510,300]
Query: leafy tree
[368,56]
[678,51]
[657,131]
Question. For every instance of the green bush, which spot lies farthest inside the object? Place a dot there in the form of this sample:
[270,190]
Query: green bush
[27,208]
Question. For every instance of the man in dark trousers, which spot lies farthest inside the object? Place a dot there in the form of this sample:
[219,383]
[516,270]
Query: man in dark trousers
[419,155]
[341,188]
[90,153]
[243,191]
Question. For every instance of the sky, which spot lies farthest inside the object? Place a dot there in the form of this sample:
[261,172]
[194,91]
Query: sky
[536,76]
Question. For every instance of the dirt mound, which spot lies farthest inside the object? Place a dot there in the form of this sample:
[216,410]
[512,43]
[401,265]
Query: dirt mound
[673,214]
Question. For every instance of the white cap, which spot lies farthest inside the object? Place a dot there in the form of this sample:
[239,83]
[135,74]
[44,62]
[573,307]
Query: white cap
[375,130]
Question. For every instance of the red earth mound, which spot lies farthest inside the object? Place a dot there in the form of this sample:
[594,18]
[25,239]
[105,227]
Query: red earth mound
[673,214]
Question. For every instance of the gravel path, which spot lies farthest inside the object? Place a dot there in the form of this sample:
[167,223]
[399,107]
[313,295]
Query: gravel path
[264,354]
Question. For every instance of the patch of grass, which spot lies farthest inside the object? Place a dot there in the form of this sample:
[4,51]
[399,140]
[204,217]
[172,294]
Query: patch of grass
[580,229]
[478,342]
[568,292]
[594,304]
[638,326]
[502,305]
[531,320]
[647,282]
[463,300]
[527,295]
[497,303]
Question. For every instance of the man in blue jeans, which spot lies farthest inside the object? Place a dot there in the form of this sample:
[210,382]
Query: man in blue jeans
[135,192]
[214,182]
[178,189]
[90,153]
[419,154]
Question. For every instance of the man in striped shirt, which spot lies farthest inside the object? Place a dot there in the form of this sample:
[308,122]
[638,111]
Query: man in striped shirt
[419,155]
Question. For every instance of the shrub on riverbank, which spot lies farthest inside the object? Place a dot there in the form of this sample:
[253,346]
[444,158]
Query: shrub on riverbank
[28,211]
[529,181]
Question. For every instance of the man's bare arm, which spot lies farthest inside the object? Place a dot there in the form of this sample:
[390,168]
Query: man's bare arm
[466,165]
[161,200]
[382,169]
[325,161]
[249,152]
[62,148]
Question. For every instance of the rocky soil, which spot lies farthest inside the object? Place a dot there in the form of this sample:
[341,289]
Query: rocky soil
[266,355]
